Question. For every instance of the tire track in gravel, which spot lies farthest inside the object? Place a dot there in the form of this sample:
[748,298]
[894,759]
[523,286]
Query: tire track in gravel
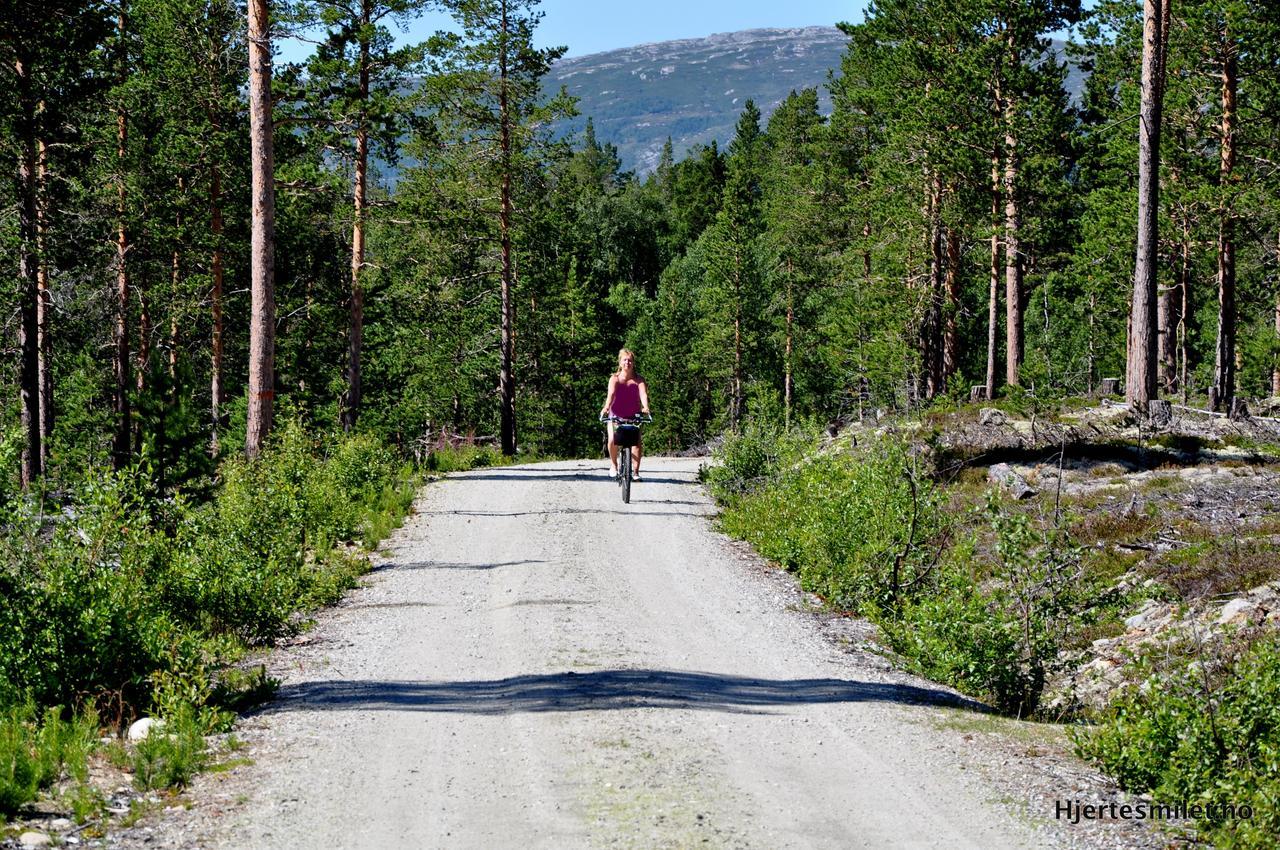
[539,665]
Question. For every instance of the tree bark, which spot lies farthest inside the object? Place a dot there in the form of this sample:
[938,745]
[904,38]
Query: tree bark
[1275,372]
[787,366]
[262,323]
[1140,371]
[1012,255]
[1224,371]
[1183,309]
[355,330]
[1166,345]
[950,329]
[141,365]
[506,377]
[993,295]
[931,332]
[216,392]
[175,278]
[44,305]
[121,441]
[28,261]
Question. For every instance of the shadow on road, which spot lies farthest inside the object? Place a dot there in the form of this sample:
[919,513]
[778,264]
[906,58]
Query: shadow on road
[528,475]
[566,511]
[448,565]
[601,691]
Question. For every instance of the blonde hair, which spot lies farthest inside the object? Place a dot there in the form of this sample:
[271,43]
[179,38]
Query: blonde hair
[623,352]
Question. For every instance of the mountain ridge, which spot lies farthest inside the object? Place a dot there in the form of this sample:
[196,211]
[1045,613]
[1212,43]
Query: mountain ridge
[692,89]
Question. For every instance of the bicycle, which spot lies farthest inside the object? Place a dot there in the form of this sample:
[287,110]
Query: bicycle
[626,434]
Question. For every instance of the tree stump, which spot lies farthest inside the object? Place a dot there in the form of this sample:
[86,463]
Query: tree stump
[977,394]
[1159,412]
[1109,386]
[1239,410]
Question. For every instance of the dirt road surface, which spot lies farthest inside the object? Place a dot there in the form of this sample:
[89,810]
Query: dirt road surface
[540,665]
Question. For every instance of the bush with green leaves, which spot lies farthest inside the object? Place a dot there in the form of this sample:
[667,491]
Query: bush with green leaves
[749,458]
[866,529]
[81,618]
[995,629]
[863,528]
[1201,733]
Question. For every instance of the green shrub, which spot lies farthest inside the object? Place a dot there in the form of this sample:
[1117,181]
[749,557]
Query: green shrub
[35,755]
[862,530]
[172,754]
[461,458]
[19,770]
[995,630]
[1202,734]
[745,460]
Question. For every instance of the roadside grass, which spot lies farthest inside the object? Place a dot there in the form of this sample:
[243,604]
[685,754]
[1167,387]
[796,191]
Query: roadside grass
[1051,736]
[129,600]
[990,596]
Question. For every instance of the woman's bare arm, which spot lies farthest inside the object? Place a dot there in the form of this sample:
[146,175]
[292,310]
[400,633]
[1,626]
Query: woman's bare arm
[608,399]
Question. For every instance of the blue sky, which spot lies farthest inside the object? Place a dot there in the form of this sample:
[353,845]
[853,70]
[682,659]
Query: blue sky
[592,26]
[585,27]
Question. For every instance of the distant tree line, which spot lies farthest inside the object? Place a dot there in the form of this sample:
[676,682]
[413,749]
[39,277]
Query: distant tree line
[196,240]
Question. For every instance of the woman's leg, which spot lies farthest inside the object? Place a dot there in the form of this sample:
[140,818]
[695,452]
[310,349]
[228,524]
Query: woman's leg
[613,451]
[635,453]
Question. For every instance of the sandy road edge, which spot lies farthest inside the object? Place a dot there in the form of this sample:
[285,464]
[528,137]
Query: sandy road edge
[1027,767]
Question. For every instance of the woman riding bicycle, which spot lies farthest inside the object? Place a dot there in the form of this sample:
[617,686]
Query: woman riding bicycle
[628,397]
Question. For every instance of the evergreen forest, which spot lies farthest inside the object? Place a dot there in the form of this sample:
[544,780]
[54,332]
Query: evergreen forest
[956,221]
[247,305]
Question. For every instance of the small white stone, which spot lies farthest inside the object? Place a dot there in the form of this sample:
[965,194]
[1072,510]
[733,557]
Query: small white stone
[35,839]
[61,824]
[1235,610]
[141,729]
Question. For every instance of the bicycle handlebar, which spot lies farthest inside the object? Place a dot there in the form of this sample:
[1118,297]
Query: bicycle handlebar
[638,419]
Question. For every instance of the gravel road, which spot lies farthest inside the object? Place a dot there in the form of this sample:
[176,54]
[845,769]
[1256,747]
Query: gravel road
[537,664]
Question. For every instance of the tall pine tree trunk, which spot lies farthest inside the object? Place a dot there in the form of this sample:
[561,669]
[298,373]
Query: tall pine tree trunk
[121,441]
[950,329]
[788,368]
[1183,309]
[506,377]
[993,294]
[1223,388]
[175,278]
[1012,253]
[143,357]
[931,330]
[1166,345]
[28,261]
[262,321]
[44,305]
[1140,370]
[1275,372]
[355,329]
[216,392]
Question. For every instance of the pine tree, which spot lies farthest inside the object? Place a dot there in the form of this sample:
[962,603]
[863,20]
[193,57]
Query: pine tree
[262,284]
[487,94]
[357,102]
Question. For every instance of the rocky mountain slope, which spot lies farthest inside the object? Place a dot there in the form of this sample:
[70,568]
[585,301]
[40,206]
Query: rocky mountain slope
[693,90]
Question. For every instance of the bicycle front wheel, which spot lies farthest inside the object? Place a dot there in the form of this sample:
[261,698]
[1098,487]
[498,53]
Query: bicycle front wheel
[626,476]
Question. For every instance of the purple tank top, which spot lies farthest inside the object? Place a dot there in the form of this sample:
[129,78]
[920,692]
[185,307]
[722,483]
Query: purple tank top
[626,399]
